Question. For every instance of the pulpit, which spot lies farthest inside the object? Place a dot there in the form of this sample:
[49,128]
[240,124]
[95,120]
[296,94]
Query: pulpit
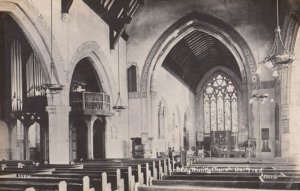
[137,147]
[142,146]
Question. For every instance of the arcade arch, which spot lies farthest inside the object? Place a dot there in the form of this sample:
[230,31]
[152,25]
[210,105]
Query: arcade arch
[90,104]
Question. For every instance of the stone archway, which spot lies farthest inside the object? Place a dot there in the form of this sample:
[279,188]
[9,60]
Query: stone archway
[37,32]
[98,82]
[210,25]
[289,91]
[91,51]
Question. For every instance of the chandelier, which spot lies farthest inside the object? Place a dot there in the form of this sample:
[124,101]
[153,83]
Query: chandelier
[278,57]
[119,106]
[259,96]
[50,87]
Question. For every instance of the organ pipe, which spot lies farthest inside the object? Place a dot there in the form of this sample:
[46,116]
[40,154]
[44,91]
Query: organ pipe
[16,76]
[35,76]
[13,92]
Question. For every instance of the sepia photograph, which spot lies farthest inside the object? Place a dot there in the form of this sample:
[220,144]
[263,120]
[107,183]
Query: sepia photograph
[149,95]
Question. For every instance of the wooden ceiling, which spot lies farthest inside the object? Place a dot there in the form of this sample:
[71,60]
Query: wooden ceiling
[195,55]
[116,13]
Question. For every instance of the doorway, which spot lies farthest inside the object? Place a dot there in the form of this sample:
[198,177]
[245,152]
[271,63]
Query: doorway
[79,139]
[34,143]
[99,138]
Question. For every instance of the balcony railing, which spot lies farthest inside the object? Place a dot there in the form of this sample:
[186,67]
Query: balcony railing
[90,102]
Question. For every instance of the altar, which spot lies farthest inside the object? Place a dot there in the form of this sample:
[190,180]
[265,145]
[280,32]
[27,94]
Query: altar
[223,144]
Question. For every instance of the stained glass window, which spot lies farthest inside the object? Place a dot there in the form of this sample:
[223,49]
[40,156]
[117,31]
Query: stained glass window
[220,105]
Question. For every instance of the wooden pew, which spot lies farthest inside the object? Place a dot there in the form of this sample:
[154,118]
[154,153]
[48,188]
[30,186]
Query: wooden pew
[230,184]
[138,174]
[112,176]
[196,188]
[141,172]
[112,179]
[250,177]
[41,185]
[148,170]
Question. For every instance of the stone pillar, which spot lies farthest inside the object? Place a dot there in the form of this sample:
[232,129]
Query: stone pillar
[25,139]
[43,142]
[294,108]
[90,135]
[58,134]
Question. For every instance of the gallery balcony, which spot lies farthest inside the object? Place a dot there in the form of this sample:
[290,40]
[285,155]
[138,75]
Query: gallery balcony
[90,103]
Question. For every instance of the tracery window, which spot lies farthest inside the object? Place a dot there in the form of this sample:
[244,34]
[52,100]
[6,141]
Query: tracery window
[220,104]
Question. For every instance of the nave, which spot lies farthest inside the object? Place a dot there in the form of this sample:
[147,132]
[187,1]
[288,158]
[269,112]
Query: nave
[151,175]
[102,94]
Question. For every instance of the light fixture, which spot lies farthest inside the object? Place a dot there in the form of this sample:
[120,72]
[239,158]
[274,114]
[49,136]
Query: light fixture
[52,88]
[278,57]
[29,116]
[260,96]
[119,106]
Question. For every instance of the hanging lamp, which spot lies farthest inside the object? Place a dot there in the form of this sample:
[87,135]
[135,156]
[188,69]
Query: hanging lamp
[278,57]
[50,87]
[259,96]
[119,106]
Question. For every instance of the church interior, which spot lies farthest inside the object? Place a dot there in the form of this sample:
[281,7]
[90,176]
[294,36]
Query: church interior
[146,90]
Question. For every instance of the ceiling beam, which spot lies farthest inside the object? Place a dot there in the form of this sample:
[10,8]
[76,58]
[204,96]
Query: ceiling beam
[66,5]
[117,14]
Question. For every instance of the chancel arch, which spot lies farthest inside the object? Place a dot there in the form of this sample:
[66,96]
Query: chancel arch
[190,49]
[191,24]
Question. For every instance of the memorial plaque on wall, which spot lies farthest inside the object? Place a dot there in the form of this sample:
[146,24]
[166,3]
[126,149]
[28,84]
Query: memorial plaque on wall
[200,136]
[285,123]
[265,133]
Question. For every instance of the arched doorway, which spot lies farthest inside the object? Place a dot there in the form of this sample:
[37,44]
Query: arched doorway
[79,140]
[34,142]
[99,138]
